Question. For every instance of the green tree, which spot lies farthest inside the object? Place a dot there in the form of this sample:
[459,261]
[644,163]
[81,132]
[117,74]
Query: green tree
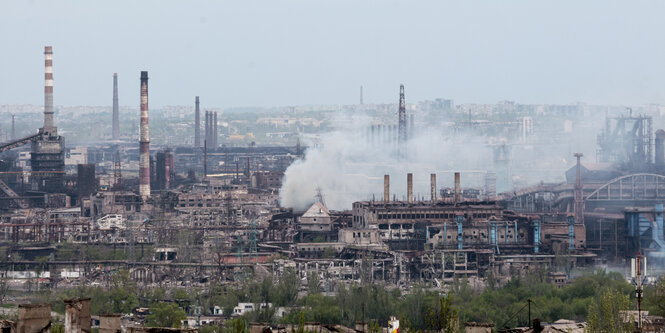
[57,327]
[313,283]
[165,315]
[287,288]
[604,314]
[123,293]
[443,318]
[654,297]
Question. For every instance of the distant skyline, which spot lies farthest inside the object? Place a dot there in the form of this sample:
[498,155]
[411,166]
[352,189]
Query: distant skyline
[280,53]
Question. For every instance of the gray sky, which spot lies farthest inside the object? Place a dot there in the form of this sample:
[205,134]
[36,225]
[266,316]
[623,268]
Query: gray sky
[271,53]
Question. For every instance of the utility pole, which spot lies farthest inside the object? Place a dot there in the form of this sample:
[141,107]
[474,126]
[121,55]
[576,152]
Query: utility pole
[638,276]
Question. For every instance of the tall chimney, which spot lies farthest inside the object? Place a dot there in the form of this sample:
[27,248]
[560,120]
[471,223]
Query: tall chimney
[409,187]
[115,134]
[197,124]
[386,188]
[207,128]
[48,89]
[432,181]
[144,141]
[214,131]
[579,198]
[361,95]
[458,189]
[13,131]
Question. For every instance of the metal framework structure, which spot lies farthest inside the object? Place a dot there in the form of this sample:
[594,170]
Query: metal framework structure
[635,187]
[402,116]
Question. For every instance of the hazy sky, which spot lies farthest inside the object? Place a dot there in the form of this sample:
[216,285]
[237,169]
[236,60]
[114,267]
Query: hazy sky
[272,53]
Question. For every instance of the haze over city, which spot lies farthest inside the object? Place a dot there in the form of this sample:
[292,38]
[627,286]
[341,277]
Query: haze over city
[277,53]
[332,167]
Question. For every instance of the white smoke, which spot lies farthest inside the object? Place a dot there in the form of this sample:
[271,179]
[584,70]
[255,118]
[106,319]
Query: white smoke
[347,167]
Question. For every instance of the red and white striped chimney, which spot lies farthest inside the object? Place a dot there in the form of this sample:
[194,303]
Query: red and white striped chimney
[144,141]
[48,89]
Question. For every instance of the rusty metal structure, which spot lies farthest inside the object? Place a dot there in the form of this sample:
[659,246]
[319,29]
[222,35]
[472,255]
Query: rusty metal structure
[144,141]
[402,117]
[117,172]
[115,135]
[627,142]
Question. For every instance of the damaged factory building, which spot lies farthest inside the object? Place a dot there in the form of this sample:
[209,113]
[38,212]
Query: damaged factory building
[447,238]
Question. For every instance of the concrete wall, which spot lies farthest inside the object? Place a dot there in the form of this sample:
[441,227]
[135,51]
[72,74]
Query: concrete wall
[34,318]
[77,315]
[109,323]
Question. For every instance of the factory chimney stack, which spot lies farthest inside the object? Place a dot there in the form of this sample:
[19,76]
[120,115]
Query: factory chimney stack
[660,150]
[214,131]
[144,141]
[361,95]
[115,134]
[197,124]
[432,179]
[579,199]
[458,188]
[386,188]
[409,187]
[48,90]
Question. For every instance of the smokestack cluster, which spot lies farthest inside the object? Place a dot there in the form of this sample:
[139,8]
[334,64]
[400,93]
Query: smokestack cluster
[48,89]
[144,141]
[380,134]
[197,124]
[211,129]
[115,134]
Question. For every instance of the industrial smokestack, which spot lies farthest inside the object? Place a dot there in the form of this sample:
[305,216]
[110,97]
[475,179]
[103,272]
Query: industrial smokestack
[458,189]
[579,198]
[207,127]
[409,187]
[48,89]
[432,180]
[214,131]
[660,149]
[13,131]
[361,95]
[144,141]
[197,124]
[115,134]
[386,188]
